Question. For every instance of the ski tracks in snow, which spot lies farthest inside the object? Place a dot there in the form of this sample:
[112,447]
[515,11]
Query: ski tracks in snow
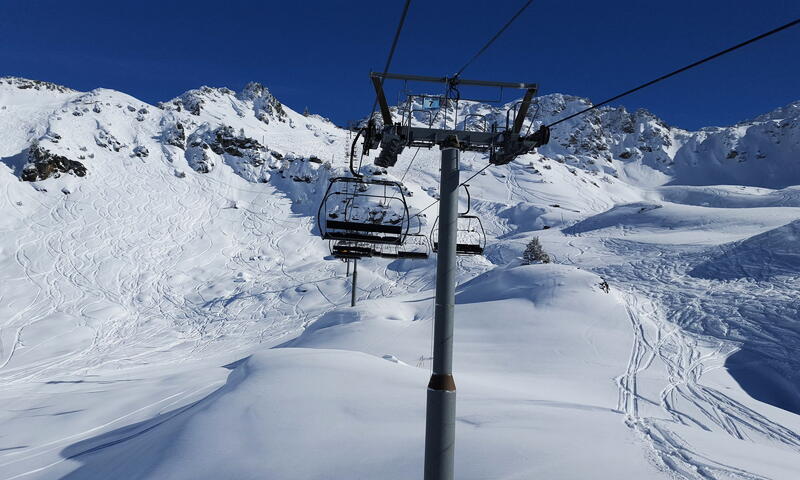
[661,345]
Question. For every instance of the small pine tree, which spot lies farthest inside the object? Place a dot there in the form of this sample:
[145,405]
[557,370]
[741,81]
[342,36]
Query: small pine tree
[534,253]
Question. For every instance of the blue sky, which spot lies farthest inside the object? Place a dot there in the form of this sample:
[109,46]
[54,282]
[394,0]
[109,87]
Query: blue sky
[319,53]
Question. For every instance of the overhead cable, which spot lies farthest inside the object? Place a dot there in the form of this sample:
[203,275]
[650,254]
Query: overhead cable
[495,37]
[680,70]
[388,64]
[460,185]
[391,50]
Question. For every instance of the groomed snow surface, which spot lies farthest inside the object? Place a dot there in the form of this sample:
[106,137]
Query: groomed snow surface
[175,316]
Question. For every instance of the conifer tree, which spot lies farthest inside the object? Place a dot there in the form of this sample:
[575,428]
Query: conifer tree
[534,253]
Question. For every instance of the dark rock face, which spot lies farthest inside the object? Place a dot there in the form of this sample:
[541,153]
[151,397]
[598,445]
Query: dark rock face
[141,151]
[192,104]
[43,164]
[237,150]
[175,135]
[225,141]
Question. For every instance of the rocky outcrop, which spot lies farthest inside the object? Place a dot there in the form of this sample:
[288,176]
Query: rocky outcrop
[104,139]
[175,134]
[43,164]
[198,159]
[140,151]
[26,84]
[236,148]
[194,100]
[265,105]
[254,99]
[238,145]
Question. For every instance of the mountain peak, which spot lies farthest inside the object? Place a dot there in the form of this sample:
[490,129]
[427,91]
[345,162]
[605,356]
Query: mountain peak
[254,90]
[264,105]
[194,99]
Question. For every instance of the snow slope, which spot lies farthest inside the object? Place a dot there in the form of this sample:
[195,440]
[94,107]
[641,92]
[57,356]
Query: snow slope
[170,312]
[772,253]
[309,401]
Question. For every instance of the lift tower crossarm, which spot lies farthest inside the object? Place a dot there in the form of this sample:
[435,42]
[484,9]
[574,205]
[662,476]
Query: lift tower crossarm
[378,78]
[455,80]
[503,146]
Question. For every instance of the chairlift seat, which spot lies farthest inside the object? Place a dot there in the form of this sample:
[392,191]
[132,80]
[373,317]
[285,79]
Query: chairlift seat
[364,227]
[340,250]
[412,255]
[463,248]
[360,237]
[468,249]
[416,246]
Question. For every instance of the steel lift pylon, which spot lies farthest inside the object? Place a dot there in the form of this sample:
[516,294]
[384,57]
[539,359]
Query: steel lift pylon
[502,145]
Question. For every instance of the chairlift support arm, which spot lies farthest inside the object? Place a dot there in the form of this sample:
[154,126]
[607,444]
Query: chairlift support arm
[523,110]
[503,146]
[453,80]
[377,82]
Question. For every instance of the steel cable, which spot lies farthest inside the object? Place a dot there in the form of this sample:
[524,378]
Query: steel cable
[680,70]
[495,37]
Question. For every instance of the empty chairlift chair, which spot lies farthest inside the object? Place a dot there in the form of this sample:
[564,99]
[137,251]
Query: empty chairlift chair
[415,247]
[358,211]
[470,235]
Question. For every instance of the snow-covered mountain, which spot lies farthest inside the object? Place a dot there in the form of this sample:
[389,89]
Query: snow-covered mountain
[167,310]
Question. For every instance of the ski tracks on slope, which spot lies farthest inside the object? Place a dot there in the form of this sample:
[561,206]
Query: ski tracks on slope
[660,343]
[656,341]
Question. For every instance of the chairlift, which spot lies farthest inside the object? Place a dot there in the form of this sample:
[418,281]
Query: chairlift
[366,211]
[470,235]
[358,210]
[416,245]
